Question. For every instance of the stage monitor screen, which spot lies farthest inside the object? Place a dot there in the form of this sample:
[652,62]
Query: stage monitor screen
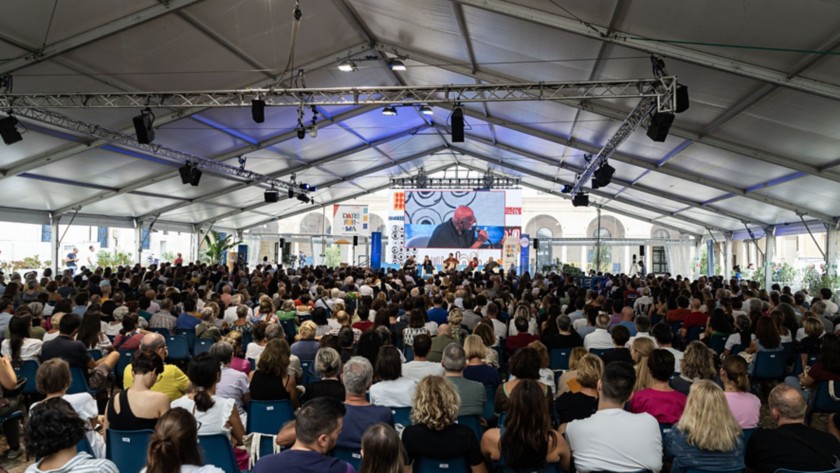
[451,219]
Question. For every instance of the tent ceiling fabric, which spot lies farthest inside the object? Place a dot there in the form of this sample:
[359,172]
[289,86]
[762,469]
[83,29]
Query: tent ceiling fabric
[758,145]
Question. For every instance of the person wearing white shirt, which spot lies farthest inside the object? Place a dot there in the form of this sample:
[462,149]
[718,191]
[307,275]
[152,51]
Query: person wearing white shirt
[600,338]
[419,367]
[393,389]
[613,439]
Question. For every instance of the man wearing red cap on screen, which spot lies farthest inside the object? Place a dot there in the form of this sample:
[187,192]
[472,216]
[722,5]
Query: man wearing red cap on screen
[457,232]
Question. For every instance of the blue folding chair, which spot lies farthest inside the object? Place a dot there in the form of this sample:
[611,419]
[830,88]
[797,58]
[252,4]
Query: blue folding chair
[474,423]
[718,343]
[163,331]
[409,353]
[559,358]
[353,456]
[253,363]
[177,348]
[402,415]
[821,402]
[430,465]
[218,451]
[28,369]
[84,446]
[189,335]
[202,345]
[693,334]
[599,352]
[79,382]
[489,403]
[769,365]
[127,448]
[96,354]
[309,375]
[289,328]
[267,417]
[123,362]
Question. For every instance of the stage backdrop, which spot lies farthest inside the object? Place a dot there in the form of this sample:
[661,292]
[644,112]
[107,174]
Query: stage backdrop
[416,213]
[351,220]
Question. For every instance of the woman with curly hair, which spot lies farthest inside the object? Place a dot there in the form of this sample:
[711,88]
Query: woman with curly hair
[526,441]
[174,446]
[698,363]
[51,434]
[435,434]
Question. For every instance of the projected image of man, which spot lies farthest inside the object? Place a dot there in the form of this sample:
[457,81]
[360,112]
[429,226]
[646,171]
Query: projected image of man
[457,232]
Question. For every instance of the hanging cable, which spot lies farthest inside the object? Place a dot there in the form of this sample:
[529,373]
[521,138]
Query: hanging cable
[49,26]
[813,238]
[290,63]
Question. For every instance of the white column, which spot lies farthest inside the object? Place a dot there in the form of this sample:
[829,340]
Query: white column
[54,249]
[832,249]
[138,241]
[698,251]
[625,265]
[583,258]
[769,255]
[564,254]
[727,257]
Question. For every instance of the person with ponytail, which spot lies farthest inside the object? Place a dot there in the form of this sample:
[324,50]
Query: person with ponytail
[736,386]
[174,446]
[215,414]
[20,346]
[138,407]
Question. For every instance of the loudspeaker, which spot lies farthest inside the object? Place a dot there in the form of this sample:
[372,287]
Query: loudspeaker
[580,200]
[536,244]
[660,123]
[8,130]
[355,240]
[271,196]
[642,250]
[258,110]
[682,99]
[143,127]
[457,125]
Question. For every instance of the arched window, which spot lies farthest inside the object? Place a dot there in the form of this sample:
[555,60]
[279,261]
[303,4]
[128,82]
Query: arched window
[544,257]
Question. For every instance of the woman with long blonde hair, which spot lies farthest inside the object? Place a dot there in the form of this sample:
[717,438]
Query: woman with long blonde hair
[707,436]
[640,350]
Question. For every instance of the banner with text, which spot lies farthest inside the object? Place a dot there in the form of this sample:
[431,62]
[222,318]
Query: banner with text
[351,220]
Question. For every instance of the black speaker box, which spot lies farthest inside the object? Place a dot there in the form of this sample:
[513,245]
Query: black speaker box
[641,250]
[355,240]
[536,244]
[660,123]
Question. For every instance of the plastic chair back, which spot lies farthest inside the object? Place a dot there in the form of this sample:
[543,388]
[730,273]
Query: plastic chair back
[28,369]
[745,435]
[253,363]
[78,381]
[489,403]
[402,415]
[84,446]
[350,455]
[409,353]
[309,376]
[218,451]
[821,401]
[430,465]
[560,358]
[474,423]
[267,417]
[693,334]
[718,343]
[127,448]
[177,347]
[202,345]
[599,352]
[123,362]
[189,335]
[96,354]
[289,328]
[769,365]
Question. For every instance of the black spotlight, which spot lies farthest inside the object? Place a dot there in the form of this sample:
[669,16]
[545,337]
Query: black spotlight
[143,126]
[457,121]
[195,176]
[301,132]
[258,110]
[303,198]
[580,200]
[185,172]
[271,196]
[291,193]
[308,188]
[602,176]
[660,123]
[8,130]
[682,98]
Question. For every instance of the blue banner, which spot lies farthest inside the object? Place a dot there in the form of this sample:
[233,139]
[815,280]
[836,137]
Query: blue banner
[376,250]
[242,254]
[524,253]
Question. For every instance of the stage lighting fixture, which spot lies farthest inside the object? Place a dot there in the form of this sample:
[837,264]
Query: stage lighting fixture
[258,110]
[271,196]
[347,66]
[457,122]
[313,131]
[566,189]
[660,123]
[303,198]
[185,172]
[426,110]
[308,188]
[580,200]
[143,126]
[195,176]
[602,176]
[301,132]
[389,111]
[396,65]
[291,193]
[8,130]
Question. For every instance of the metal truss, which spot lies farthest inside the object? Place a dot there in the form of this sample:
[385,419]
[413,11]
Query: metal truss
[662,90]
[493,182]
[169,154]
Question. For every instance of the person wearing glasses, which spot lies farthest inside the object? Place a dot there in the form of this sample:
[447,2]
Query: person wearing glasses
[457,232]
[172,381]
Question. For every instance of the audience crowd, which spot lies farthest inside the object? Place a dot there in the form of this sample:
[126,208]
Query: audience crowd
[383,371]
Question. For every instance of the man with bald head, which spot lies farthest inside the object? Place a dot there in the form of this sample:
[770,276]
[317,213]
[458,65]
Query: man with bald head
[793,445]
[457,232]
[172,382]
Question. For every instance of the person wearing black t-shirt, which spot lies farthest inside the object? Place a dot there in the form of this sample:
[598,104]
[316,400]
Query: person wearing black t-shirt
[620,336]
[793,445]
[582,404]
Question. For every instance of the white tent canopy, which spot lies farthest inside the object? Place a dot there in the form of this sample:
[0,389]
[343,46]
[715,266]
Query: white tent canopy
[757,148]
